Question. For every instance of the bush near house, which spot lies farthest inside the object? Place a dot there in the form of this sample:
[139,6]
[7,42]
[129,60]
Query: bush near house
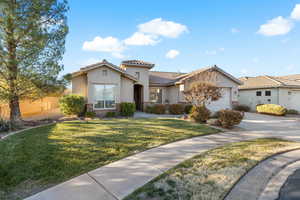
[90,114]
[241,107]
[271,109]
[110,114]
[292,112]
[159,109]
[200,113]
[149,109]
[127,109]
[72,104]
[176,109]
[230,118]
[188,108]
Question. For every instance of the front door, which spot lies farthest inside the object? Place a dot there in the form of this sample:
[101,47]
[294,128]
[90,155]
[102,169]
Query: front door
[138,97]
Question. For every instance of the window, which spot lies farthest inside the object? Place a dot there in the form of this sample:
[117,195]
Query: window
[104,72]
[258,93]
[137,75]
[104,96]
[268,93]
[156,95]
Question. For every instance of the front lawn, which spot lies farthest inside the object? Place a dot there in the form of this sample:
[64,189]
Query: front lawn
[42,157]
[209,176]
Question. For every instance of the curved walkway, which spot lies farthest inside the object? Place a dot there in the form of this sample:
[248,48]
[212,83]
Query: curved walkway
[119,179]
[264,181]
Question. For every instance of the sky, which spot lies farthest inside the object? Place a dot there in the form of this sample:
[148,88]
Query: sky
[244,38]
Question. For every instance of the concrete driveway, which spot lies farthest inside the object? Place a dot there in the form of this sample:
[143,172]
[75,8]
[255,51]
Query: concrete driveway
[259,122]
[271,126]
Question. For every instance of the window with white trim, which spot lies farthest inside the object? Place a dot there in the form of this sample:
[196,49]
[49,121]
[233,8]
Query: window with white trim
[104,96]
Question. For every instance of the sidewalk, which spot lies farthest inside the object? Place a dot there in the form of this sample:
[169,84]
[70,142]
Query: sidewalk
[117,180]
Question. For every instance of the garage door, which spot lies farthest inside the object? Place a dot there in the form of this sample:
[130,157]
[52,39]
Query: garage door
[294,100]
[223,103]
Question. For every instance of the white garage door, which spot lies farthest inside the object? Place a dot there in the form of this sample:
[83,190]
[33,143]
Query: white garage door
[223,103]
[294,100]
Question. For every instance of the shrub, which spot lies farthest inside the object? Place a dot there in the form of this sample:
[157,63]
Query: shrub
[110,114]
[229,118]
[292,112]
[271,109]
[243,108]
[149,109]
[4,125]
[127,108]
[200,113]
[188,108]
[90,114]
[159,109]
[176,109]
[72,104]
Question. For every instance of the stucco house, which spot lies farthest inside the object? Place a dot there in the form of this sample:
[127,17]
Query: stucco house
[105,85]
[281,90]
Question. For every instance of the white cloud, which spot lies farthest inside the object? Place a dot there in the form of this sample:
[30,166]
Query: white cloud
[164,28]
[276,26]
[172,54]
[235,30]
[109,44]
[290,68]
[296,12]
[140,39]
[221,49]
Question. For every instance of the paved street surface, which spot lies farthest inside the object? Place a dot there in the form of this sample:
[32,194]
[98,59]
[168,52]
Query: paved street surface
[291,189]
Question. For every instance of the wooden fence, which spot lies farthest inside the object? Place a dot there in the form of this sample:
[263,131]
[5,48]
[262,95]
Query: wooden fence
[41,107]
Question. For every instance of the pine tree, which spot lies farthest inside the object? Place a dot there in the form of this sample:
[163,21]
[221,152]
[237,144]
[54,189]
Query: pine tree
[32,42]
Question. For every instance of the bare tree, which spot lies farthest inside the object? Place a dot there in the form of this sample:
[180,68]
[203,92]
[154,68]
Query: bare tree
[202,88]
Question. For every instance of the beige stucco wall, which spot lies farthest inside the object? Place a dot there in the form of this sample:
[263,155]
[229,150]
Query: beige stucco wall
[144,79]
[96,77]
[79,85]
[127,90]
[249,98]
[289,98]
[172,94]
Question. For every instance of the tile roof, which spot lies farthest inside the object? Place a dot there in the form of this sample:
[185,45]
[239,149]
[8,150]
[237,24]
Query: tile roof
[270,82]
[138,62]
[103,63]
[164,78]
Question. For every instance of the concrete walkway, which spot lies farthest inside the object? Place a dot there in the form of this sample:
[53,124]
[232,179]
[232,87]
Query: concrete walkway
[117,180]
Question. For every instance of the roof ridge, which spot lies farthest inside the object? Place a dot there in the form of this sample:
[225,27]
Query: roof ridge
[272,78]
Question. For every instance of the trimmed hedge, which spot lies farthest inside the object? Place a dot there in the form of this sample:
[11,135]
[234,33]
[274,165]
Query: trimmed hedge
[72,104]
[159,109]
[127,109]
[200,114]
[90,114]
[230,118]
[292,112]
[188,108]
[110,114]
[241,107]
[176,109]
[271,109]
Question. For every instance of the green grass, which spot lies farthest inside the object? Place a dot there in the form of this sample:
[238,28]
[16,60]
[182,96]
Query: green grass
[41,157]
[209,176]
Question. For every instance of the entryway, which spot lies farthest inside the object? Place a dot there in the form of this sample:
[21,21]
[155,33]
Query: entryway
[138,97]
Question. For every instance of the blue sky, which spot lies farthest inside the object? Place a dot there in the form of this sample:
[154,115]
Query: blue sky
[242,37]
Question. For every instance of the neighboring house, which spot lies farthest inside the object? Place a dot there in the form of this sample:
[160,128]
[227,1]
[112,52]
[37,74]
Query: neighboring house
[282,90]
[106,85]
